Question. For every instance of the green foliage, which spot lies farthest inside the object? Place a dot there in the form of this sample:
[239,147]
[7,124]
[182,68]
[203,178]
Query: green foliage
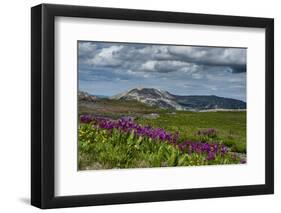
[104,149]
[231,126]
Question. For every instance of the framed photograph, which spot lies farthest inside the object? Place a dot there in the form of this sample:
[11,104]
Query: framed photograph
[139,106]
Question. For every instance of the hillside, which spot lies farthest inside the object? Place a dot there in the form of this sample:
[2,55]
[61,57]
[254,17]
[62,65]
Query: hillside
[166,100]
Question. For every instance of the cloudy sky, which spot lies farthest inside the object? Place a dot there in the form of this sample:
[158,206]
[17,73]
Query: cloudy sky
[111,68]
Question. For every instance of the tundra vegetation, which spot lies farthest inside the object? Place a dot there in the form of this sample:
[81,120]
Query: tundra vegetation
[129,134]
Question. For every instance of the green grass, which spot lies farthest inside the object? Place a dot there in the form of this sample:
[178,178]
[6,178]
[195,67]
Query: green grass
[100,149]
[103,151]
[117,108]
[231,126]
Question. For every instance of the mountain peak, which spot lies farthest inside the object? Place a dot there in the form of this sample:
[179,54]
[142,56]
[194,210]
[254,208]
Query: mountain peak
[84,96]
[166,100]
[150,96]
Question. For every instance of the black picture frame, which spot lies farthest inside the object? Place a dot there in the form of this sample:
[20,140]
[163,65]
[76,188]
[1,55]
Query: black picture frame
[43,110]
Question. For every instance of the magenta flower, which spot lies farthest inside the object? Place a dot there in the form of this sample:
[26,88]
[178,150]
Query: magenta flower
[127,124]
[211,156]
[85,118]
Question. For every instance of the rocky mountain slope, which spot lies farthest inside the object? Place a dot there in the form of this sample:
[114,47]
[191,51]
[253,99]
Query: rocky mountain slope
[86,97]
[166,100]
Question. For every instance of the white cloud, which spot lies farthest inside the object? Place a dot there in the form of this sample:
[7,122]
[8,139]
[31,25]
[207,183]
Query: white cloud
[86,48]
[148,66]
[107,57]
[178,69]
[210,55]
[162,58]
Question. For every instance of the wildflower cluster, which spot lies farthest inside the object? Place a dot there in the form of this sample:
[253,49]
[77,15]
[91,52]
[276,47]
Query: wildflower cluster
[127,124]
[210,132]
[212,150]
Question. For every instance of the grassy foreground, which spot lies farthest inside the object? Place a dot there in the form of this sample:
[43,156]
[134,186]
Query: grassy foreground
[201,137]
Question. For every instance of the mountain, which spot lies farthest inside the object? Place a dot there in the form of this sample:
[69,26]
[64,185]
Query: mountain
[152,97]
[166,100]
[84,96]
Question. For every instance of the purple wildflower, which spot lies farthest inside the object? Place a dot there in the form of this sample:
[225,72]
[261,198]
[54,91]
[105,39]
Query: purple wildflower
[127,124]
[210,132]
[85,118]
[211,156]
[210,149]
[243,161]
[224,150]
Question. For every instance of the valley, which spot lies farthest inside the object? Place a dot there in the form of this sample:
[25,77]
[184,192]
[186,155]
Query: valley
[229,124]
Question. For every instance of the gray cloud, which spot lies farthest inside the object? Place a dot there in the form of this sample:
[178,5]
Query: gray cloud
[161,58]
[210,55]
[115,67]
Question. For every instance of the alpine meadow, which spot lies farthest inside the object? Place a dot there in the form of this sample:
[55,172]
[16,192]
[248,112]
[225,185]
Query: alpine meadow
[160,105]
